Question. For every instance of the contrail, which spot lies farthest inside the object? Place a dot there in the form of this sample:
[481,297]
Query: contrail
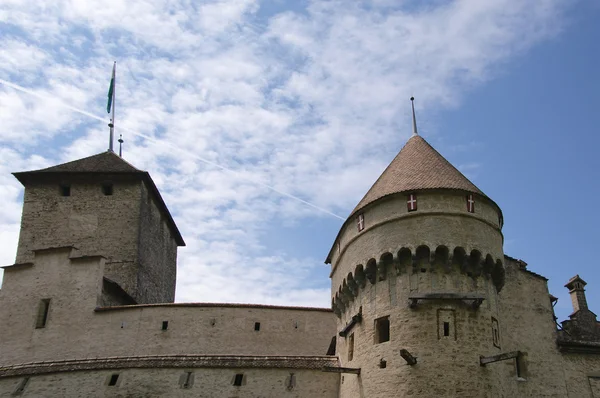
[169,144]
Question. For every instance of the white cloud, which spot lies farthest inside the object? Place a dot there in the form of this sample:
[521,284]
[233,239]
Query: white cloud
[312,103]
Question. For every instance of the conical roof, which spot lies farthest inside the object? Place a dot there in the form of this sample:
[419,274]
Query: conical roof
[417,166]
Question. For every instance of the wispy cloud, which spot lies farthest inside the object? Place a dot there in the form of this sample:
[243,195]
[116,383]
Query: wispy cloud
[304,101]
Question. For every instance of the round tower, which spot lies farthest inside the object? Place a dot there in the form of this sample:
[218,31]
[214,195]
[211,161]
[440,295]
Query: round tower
[416,271]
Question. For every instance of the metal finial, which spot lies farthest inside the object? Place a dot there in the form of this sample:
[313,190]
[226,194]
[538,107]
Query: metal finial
[412,101]
[121,145]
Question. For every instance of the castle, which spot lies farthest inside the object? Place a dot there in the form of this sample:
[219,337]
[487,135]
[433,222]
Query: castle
[424,301]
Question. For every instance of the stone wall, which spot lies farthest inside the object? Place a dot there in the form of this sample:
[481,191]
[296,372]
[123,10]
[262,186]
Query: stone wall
[446,365]
[75,330]
[169,382]
[157,254]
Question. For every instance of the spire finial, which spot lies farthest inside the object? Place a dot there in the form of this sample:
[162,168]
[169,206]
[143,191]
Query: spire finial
[121,145]
[412,101]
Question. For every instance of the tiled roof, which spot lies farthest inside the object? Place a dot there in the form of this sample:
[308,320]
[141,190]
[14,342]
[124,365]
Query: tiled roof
[105,162]
[417,166]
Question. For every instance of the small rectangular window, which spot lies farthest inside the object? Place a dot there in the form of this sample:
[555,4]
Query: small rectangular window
[257,326]
[411,202]
[107,189]
[382,330]
[113,379]
[351,347]
[446,323]
[360,221]
[165,325]
[238,379]
[470,203]
[42,317]
[65,190]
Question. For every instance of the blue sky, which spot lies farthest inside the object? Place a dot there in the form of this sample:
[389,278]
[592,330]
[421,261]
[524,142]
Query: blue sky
[312,100]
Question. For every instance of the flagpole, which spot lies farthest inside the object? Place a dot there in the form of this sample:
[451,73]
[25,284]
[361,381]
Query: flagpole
[112,120]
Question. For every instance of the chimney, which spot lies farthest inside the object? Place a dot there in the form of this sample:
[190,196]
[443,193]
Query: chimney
[575,286]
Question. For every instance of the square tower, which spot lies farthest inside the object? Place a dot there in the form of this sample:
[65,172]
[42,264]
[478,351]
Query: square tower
[102,205]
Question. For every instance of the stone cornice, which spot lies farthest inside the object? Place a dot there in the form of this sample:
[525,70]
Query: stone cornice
[170,361]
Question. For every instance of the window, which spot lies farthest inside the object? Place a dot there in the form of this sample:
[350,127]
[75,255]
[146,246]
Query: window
[238,379]
[382,363]
[107,189]
[186,380]
[290,382]
[446,324]
[351,347]
[382,329]
[113,379]
[165,325]
[257,326]
[411,202]
[360,221]
[470,204]
[42,317]
[495,332]
[65,190]
[21,386]
[521,367]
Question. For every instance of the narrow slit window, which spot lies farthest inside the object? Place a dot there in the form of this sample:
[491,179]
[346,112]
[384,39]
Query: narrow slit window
[65,190]
[521,367]
[113,379]
[360,222]
[165,325]
[351,347]
[382,330]
[107,189]
[257,326]
[446,329]
[495,333]
[42,318]
[186,380]
[21,387]
[238,379]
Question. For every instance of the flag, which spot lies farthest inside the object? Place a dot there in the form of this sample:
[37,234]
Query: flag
[111,89]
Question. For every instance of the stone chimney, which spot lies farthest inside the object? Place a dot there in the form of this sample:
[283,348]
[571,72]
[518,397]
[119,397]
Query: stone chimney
[575,286]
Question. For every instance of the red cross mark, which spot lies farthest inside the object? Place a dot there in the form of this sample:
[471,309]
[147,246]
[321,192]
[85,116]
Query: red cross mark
[361,222]
[411,202]
[470,204]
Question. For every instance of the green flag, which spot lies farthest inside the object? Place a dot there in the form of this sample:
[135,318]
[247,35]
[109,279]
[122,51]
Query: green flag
[111,90]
